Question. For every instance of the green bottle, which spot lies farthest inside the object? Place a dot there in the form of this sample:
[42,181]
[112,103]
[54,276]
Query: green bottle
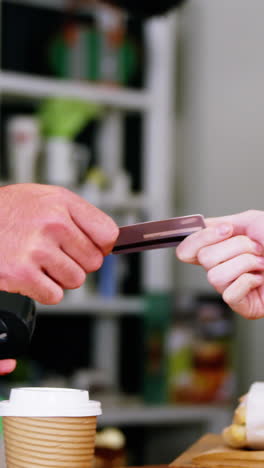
[157,316]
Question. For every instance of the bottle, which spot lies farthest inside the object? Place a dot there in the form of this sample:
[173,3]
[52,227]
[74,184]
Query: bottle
[60,164]
[110,22]
[158,307]
[179,348]
[213,375]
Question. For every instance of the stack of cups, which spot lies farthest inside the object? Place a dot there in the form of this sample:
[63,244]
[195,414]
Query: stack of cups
[48,427]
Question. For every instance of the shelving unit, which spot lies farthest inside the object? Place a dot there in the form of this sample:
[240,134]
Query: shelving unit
[96,305]
[136,414]
[156,104]
[31,87]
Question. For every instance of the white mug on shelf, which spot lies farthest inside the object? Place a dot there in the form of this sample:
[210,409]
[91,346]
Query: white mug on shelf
[23,148]
[60,163]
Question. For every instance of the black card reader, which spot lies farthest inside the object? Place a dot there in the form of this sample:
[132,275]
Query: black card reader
[17,323]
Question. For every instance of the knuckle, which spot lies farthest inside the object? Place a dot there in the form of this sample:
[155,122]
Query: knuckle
[250,260]
[51,296]
[249,280]
[228,298]
[248,244]
[242,239]
[249,257]
[39,254]
[25,273]
[182,253]
[56,226]
[96,262]
[70,277]
[77,279]
[252,212]
[213,278]
[204,258]
[115,232]
[61,192]
[56,223]
[209,234]
[179,253]
[112,231]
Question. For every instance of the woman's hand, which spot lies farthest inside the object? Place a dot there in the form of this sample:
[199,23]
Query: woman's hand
[231,250]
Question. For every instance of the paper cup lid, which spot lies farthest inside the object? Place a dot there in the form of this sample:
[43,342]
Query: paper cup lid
[49,402]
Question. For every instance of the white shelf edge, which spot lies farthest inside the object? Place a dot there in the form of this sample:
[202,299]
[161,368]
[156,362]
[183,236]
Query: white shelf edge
[95,304]
[131,202]
[167,414]
[31,87]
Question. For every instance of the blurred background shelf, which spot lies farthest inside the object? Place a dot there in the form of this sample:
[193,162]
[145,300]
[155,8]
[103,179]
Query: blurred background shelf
[112,341]
[216,416]
[96,304]
[133,202]
[31,87]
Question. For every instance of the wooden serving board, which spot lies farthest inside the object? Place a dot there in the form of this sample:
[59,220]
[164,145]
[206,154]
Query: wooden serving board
[210,452]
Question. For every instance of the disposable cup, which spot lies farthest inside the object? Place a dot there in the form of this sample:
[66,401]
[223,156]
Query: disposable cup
[49,427]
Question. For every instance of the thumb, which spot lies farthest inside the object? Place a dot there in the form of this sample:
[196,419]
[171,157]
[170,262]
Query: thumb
[241,221]
[255,229]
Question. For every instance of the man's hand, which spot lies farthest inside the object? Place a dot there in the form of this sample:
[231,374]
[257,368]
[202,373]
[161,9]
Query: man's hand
[50,238]
[231,250]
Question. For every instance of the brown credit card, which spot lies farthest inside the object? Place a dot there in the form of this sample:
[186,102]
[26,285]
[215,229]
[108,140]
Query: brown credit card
[157,234]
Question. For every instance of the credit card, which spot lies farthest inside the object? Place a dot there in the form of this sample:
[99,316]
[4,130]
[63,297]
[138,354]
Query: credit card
[157,234]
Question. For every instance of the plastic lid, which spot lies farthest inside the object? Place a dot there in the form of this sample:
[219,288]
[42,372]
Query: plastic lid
[49,402]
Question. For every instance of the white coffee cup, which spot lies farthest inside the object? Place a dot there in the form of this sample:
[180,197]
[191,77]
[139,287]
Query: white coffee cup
[53,427]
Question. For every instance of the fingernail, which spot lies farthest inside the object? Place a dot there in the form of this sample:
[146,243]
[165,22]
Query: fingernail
[224,229]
